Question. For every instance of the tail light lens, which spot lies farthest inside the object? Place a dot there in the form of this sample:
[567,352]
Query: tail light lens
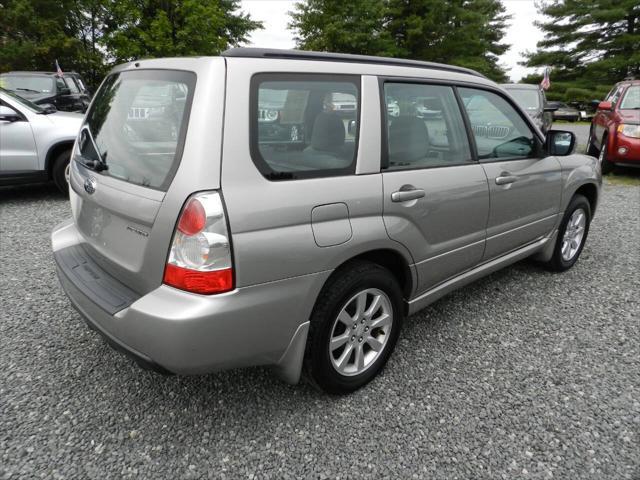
[200,256]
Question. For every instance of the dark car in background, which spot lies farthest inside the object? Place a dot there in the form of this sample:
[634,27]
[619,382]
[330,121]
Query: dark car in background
[67,92]
[614,136]
[565,112]
[533,101]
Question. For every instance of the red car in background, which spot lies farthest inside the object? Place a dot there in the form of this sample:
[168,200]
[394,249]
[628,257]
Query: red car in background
[615,129]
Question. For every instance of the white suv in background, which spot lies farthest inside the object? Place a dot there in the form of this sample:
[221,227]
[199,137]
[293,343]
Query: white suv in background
[35,142]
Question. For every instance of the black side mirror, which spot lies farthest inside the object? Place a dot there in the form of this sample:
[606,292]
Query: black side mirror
[560,143]
[48,107]
[9,115]
[64,91]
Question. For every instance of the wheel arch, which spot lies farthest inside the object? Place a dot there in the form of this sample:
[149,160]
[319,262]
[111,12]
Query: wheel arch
[590,191]
[392,260]
[53,151]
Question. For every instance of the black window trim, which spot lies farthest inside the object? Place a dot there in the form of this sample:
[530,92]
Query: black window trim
[19,113]
[260,163]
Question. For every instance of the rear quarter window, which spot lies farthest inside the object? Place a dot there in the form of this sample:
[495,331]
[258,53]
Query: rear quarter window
[304,125]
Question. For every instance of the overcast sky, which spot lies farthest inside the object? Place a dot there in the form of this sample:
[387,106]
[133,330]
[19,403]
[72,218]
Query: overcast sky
[522,35]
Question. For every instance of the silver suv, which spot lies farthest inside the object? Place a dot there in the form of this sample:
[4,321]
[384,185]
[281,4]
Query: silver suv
[204,237]
[35,141]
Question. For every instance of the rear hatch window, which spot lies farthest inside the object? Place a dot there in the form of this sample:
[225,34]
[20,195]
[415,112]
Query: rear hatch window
[135,128]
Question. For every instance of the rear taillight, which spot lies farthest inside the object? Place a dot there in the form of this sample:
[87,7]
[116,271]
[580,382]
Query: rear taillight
[200,256]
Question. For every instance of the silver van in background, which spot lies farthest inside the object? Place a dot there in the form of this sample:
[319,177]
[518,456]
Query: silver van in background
[290,208]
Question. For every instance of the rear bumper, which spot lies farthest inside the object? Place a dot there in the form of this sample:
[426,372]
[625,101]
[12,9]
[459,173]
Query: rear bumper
[169,330]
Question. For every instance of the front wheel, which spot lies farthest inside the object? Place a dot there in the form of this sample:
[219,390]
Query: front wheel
[354,327]
[60,173]
[572,234]
[591,148]
[605,165]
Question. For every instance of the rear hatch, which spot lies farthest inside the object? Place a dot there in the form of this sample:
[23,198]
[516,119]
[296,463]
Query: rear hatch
[129,154]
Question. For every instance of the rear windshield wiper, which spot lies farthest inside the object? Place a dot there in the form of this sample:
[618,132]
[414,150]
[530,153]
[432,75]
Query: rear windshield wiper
[99,164]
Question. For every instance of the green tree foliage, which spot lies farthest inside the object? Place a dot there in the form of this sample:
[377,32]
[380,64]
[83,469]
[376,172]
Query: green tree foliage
[90,35]
[34,33]
[163,28]
[567,91]
[590,45]
[355,26]
[460,32]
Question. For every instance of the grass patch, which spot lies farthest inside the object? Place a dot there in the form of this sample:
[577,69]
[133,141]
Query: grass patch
[580,122]
[625,178]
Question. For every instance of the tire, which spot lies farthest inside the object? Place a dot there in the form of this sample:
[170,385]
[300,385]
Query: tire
[605,165]
[591,148]
[336,316]
[562,258]
[58,171]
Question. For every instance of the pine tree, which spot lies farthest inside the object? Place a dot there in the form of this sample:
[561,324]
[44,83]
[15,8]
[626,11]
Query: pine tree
[460,32]
[589,42]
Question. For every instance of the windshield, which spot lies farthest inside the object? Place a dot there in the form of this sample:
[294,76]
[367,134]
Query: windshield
[27,83]
[527,99]
[138,123]
[25,103]
[631,100]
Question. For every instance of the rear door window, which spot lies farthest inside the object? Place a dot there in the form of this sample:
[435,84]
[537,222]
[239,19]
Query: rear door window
[137,124]
[304,125]
[424,127]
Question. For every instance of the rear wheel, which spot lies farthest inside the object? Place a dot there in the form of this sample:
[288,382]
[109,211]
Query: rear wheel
[605,165]
[354,327]
[59,172]
[572,234]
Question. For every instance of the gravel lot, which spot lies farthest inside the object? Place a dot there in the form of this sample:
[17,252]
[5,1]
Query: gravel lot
[525,374]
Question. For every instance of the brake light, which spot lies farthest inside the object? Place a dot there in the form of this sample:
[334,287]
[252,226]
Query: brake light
[200,256]
[193,218]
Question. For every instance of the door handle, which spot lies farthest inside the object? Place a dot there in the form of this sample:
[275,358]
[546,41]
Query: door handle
[407,195]
[505,179]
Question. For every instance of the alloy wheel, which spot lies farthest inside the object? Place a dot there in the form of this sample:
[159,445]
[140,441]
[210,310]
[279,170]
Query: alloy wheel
[573,234]
[361,331]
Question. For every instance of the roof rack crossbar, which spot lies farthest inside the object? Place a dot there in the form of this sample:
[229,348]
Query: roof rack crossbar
[342,57]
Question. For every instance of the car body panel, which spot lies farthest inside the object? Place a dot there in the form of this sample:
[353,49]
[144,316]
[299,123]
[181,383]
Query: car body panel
[525,210]
[289,236]
[446,229]
[605,123]
[26,144]
[132,243]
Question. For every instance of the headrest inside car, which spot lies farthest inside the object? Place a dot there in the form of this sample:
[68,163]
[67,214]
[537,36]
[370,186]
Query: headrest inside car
[328,132]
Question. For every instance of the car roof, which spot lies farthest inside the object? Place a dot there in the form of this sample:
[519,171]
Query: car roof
[628,82]
[519,86]
[342,57]
[37,73]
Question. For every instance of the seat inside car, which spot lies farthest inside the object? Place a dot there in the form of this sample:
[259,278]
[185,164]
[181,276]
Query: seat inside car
[328,148]
[408,140]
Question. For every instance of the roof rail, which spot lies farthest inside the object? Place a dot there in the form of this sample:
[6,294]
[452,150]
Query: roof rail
[342,57]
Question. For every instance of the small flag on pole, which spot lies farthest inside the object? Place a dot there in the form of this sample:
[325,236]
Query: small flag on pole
[59,70]
[545,83]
